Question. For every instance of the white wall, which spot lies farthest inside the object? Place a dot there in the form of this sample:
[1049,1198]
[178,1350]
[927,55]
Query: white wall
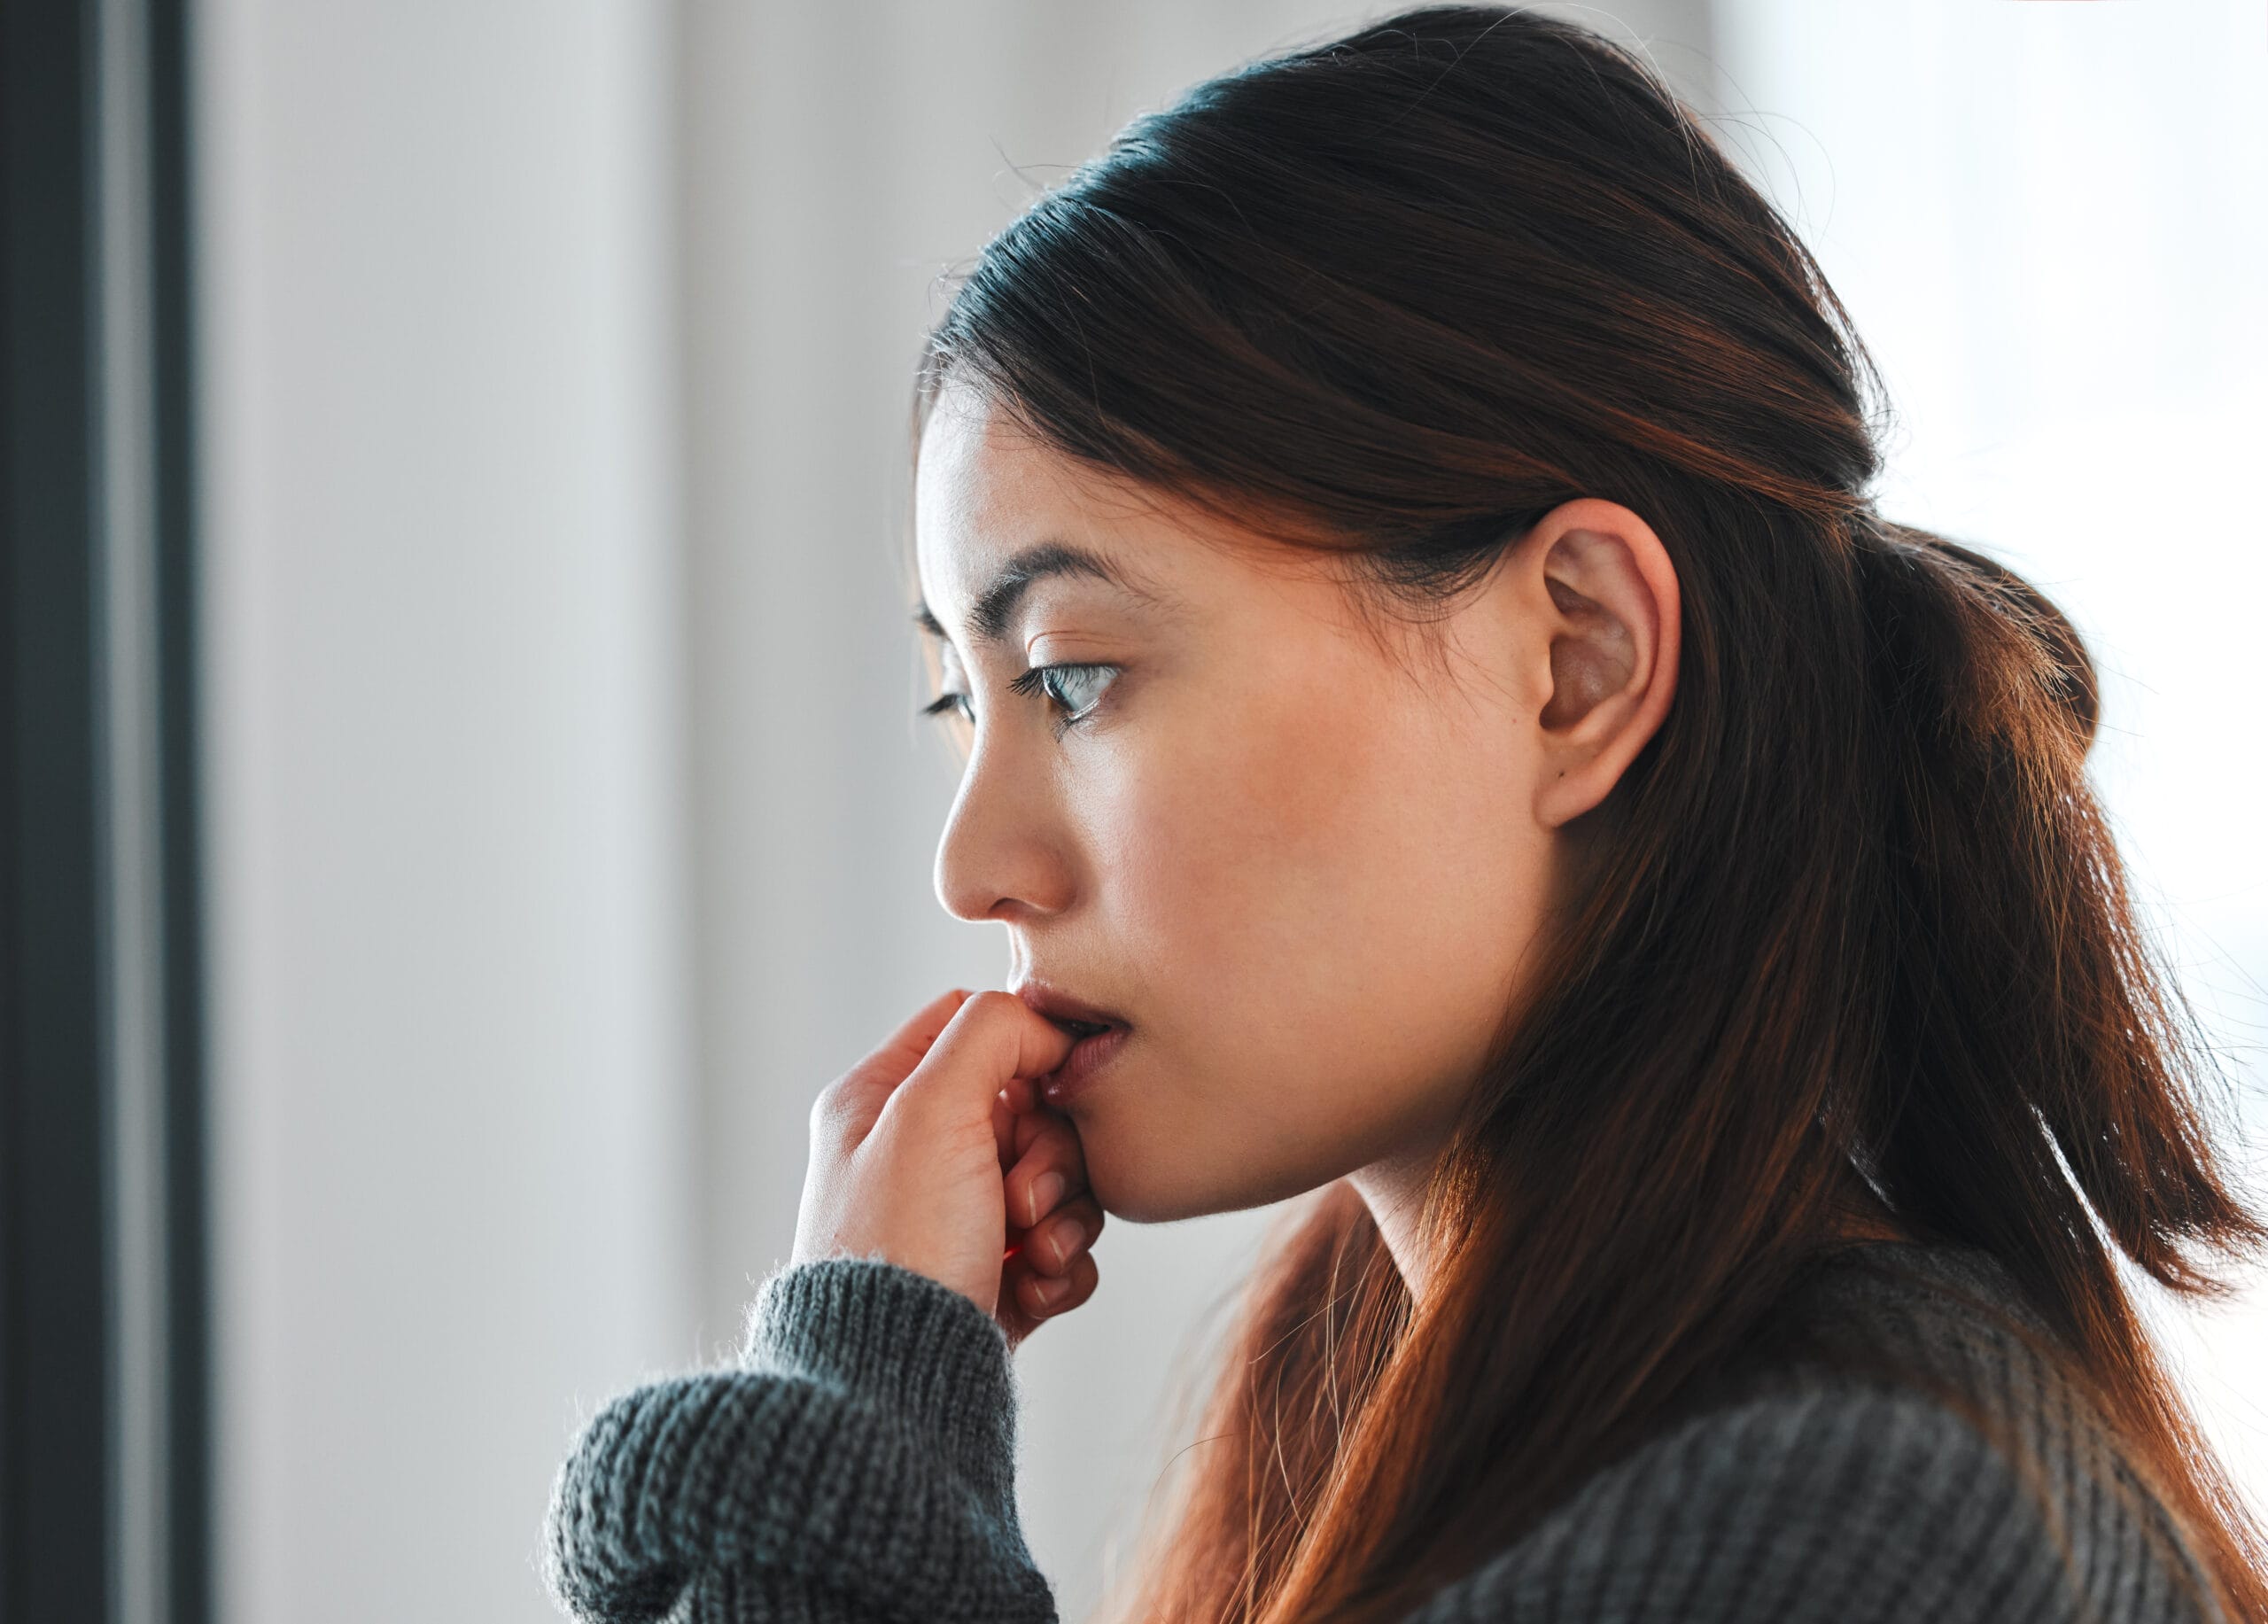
[2049,224]
[450,1112]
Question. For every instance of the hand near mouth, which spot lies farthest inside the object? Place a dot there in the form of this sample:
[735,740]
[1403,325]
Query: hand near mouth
[1052,1218]
[933,1153]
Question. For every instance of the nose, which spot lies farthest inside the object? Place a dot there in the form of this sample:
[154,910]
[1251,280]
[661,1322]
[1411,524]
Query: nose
[1003,854]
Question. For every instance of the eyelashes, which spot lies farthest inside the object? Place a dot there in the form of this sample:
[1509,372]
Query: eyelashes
[1037,681]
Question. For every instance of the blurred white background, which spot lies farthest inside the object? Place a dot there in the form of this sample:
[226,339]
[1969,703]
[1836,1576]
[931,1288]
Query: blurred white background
[569,823]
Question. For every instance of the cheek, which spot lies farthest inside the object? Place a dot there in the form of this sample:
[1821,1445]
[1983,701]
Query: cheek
[1227,854]
[1322,903]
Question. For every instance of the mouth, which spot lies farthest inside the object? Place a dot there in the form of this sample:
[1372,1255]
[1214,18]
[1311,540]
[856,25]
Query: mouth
[1097,1045]
[1074,1016]
[1098,1038]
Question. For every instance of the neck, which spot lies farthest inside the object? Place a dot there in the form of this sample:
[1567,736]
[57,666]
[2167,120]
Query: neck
[1394,1190]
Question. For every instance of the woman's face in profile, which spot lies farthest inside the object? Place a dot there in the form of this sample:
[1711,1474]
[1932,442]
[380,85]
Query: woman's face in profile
[1301,867]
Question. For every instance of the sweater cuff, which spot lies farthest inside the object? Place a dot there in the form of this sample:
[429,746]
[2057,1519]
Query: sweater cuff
[903,1343]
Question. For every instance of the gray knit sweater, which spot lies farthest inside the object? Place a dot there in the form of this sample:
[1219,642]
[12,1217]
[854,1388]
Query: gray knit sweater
[856,1466]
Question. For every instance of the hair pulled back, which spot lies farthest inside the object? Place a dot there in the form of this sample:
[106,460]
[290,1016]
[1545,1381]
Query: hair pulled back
[1397,295]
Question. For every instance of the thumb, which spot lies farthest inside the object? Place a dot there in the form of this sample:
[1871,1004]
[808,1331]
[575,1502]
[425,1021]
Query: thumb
[866,1087]
[991,1038]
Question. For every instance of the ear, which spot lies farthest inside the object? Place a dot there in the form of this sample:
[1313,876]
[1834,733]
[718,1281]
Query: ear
[1612,628]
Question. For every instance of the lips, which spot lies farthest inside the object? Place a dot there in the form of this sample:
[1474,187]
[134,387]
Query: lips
[1101,1033]
[1075,1015]
[1083,1068]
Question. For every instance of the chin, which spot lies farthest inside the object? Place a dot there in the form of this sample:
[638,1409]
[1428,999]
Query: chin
[1135,1201]
[1165,1184]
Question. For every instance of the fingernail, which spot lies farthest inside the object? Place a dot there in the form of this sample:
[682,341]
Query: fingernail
[1046,1190]
[1049,1290]
[1063,1239]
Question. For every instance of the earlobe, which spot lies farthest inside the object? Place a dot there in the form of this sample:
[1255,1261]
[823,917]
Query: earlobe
[1613,651]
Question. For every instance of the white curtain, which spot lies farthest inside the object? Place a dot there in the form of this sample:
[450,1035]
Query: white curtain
[451,1088]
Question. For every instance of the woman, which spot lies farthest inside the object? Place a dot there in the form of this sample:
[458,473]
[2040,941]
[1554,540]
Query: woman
[1447,730]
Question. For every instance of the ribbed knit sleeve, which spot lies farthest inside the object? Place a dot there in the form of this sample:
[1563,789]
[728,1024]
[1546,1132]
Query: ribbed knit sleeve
[856,1466]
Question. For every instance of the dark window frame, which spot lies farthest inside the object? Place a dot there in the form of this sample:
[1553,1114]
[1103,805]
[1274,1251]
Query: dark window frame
[105,1454]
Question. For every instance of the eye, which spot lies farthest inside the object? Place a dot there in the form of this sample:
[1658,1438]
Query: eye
[950,700]
[1076,677]
[1041,680]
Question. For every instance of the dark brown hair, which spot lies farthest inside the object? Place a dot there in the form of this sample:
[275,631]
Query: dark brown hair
[1398,295]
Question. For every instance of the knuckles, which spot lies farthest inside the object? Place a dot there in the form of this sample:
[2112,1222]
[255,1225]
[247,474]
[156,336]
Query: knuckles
[831,1112]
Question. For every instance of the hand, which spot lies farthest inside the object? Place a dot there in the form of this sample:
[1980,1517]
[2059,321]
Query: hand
[915,1151]
[1050,1270]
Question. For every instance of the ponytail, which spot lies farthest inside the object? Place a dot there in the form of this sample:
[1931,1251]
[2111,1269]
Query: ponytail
[2021,984]
[2031,1042]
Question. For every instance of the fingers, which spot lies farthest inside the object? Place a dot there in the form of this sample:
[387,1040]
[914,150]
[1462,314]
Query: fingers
[1055,1244]
[902,1050]
[848,1105]
[1004,1130]
[992,1039]
[1017,1097]
[1029,1297]
[1049,1168]
[1045,1296]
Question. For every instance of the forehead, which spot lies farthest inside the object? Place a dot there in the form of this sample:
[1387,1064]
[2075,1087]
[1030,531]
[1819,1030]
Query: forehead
[985,488]
[993,503]
[989,496]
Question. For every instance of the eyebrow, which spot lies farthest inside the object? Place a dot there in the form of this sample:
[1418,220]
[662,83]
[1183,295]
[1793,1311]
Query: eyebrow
[995,605]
